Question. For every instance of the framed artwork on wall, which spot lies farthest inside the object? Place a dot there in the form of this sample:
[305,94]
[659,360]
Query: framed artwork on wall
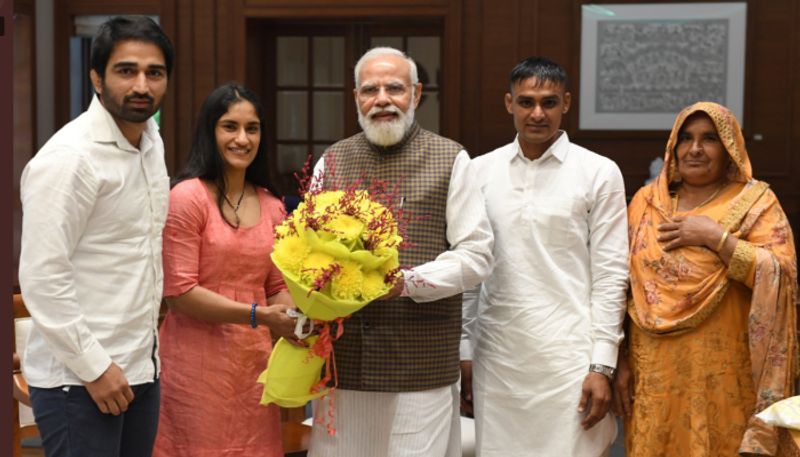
[642,63]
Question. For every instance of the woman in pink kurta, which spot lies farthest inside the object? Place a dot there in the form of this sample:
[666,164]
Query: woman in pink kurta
[227,300]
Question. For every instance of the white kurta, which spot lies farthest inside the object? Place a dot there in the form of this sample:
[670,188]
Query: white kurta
[554,303]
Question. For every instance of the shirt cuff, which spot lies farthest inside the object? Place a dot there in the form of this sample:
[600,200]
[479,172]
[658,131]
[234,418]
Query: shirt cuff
[605,353]
[465,349]
[408,282]
[91,364]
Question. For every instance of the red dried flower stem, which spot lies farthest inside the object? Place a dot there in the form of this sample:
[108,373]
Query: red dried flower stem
[323,347]
[304,176]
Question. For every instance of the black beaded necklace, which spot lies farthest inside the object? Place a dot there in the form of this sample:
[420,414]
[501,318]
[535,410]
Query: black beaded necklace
[235,207]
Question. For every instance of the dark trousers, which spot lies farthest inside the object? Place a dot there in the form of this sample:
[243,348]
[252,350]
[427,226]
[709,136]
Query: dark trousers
[71,424]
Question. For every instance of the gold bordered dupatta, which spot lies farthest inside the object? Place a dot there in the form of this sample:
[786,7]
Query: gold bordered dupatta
[666,301]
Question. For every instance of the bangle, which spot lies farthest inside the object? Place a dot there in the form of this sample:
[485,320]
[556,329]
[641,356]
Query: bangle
[722,241]
[253,322]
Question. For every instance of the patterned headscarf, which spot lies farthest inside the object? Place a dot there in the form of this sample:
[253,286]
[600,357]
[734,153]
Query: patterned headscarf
[729,132]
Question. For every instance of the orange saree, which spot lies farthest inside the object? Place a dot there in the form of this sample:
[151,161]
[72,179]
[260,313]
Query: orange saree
[710,344]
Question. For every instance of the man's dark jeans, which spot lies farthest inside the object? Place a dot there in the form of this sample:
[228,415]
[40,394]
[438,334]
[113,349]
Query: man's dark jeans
[72,425]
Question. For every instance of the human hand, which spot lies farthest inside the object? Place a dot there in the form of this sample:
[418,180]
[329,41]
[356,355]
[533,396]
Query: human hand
[622,391]
[397,288]
[281,324]
[596,391]
[690,231]
[466,388]
[111,391]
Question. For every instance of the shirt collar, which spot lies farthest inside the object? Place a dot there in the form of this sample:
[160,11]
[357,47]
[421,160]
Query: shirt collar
[558,149]
[105,130]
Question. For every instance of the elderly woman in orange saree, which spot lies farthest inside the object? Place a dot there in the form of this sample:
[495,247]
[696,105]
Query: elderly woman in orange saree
[712,313]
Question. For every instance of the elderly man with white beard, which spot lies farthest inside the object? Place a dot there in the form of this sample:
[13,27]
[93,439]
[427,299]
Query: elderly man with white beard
[398,359]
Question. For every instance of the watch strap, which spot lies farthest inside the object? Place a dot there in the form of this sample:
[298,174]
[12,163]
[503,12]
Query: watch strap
[602,369]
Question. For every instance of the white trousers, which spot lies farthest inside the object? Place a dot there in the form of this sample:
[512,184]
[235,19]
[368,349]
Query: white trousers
[389,424]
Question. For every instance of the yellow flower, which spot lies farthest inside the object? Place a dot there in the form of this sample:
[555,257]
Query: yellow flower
[290,252]
[390,242]
[347,284]
[283,230]
[346,228]
[323,200]
[370,207]
[373,286]
[313,266]
[300,224]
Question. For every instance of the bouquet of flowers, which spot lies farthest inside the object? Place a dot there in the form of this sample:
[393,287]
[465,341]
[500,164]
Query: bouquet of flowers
[337,252]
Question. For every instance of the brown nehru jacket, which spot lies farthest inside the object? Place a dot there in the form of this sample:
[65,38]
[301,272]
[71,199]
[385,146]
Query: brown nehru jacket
[400,345]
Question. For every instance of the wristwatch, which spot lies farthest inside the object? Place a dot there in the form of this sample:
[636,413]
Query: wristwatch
[603,369]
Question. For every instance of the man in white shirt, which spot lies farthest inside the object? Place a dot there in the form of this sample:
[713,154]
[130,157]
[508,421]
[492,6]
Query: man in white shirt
[397,361]
[94,202]
[540,336]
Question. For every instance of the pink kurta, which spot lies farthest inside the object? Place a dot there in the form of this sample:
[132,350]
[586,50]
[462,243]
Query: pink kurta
[209,394]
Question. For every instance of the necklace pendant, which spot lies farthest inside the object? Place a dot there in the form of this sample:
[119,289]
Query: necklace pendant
[235,207]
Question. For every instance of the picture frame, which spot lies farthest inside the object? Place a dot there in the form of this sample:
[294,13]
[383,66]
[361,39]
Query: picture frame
[641,64]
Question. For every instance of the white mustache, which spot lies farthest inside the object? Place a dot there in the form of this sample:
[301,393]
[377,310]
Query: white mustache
[387,110]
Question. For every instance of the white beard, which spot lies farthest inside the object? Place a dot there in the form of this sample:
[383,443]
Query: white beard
[386,133]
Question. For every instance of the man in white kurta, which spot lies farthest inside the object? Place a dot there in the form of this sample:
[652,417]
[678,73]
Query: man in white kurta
[542,332]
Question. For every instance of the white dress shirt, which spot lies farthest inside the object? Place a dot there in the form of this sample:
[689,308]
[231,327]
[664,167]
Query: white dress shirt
[469,260]
[554,302]
[90,271]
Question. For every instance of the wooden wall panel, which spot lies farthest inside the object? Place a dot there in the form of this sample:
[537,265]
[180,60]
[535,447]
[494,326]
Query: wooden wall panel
[183,84]
[210,50]
[22,26]
[794,43]
[773,76]
[302,9]
[554,40]
[790,198]
[499,33]
[529,25]
[334,4]
[106,7]
[231,42]
[169,115]
[469,100]
[498,55]
[451,64]
[483,40]
[204,49]
[64,13]
[769,114]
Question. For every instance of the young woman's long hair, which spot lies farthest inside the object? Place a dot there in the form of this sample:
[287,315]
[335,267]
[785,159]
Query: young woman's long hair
[205,160]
